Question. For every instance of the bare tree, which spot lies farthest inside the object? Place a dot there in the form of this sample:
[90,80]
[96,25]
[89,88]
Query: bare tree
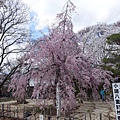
[14,35]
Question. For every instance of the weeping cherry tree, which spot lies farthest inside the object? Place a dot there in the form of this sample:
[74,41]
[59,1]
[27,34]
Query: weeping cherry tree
[56,59]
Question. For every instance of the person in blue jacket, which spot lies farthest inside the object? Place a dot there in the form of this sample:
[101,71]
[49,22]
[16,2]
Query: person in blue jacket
[102,94]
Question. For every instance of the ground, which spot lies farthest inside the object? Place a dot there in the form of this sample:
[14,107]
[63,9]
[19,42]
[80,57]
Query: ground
[96,108]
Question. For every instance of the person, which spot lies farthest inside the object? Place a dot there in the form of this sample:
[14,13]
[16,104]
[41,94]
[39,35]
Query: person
[102,94]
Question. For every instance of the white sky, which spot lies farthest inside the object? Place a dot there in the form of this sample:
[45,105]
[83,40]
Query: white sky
[89,12]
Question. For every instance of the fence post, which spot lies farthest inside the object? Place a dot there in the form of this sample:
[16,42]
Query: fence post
[49,117]
[85,115]
[100,116]
[44,111]
[50,111]
[9,109]
[90,117]
[64,115]
[3,110]
[34,113]
[69,117]
[24,113]
[17,111]
[14,113]
[109,116]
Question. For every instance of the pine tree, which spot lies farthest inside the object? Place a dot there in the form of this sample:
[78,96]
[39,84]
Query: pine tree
[112,61]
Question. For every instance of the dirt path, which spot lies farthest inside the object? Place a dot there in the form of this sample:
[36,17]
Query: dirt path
[106,109]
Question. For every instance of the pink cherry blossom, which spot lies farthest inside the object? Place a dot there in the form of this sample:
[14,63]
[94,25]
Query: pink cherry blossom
[57,58]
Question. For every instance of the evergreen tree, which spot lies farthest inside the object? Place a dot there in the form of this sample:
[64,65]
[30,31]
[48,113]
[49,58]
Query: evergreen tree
[112,60]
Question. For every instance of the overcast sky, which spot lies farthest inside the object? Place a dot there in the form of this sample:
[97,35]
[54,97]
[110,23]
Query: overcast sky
[89,12]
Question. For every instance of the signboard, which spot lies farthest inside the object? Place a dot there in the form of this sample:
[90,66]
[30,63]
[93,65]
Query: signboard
[40,117]
[116,95]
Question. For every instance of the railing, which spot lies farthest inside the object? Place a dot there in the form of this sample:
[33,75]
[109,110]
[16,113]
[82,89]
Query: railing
[27,113]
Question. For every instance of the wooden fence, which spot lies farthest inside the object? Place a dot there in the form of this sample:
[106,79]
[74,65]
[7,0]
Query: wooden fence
[27,113]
